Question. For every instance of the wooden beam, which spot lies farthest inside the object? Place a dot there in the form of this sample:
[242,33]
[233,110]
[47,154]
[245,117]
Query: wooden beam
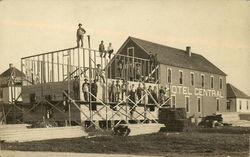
[41,54]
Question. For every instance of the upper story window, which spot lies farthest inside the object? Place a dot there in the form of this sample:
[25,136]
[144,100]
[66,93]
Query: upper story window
[180,77]
[212,81]
[169,75]
[130,51]
[221,83]
[202,80]
[247,106]
[192,79]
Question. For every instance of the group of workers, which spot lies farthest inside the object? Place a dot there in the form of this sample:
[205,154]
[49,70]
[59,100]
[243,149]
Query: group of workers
[120,91]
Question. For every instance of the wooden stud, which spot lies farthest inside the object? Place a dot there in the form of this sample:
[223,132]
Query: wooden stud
[78,57]
[83,54]
[69,78]
[58,67]
[94,72]
[106,90]
[52,66]
[63,65]
[73,64]
[48,72]
[43,70]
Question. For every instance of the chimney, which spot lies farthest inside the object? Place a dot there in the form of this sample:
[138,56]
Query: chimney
[10,65]
[188,50]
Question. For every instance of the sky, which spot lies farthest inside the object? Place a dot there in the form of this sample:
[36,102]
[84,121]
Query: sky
[217,29]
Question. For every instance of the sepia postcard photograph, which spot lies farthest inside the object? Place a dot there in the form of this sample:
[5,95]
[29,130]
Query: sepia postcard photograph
[125,78]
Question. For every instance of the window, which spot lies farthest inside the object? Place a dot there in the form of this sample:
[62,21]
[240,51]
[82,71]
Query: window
[169,75]
[217,105]
[247,106]
[187,103]
[181,77]
[202,80]
[228,105]
[130,51]
[192,79]
[199,104]
[212,81]
[240,104]
[173,101]
[220,83]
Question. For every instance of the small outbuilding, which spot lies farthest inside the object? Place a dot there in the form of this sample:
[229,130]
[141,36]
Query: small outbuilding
[237,101]
[10,92]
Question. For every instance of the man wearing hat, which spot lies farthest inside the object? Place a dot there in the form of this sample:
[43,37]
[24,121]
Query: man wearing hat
[102,49]
[76,88]
[99,73]
[79,35]
[85,89]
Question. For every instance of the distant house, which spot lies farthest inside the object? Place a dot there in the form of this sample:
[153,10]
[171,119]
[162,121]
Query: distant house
[10,84]
[10,90]
[237,101]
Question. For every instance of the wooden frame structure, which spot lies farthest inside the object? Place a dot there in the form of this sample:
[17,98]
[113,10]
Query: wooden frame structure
[51,77]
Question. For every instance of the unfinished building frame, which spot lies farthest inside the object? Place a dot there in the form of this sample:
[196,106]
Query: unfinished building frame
[49,88]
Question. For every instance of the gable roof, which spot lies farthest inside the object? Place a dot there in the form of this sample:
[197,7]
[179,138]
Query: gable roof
[8,72]
[177,57]
[233,92]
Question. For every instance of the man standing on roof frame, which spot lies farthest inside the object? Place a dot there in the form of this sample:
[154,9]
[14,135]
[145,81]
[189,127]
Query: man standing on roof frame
[79,35]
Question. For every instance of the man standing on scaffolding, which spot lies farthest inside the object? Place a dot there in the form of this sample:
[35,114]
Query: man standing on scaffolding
[99,73]
[76,88]
[79,35]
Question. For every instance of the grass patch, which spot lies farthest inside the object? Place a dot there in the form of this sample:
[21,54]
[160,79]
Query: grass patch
[225,130]
[151,144]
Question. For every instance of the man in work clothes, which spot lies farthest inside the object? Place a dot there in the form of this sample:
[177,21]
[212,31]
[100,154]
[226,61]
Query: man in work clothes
[79,35]
[120,67]
[94,90]
[76,88]
[110,50]
[102,49]
[117,91]
[112,92]
[139,92]
[85,89]
[99,73]
[161,95]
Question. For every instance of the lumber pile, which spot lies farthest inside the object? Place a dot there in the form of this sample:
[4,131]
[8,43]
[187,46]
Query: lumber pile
[22,134]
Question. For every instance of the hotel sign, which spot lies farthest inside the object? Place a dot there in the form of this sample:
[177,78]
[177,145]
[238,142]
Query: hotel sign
[196,91]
